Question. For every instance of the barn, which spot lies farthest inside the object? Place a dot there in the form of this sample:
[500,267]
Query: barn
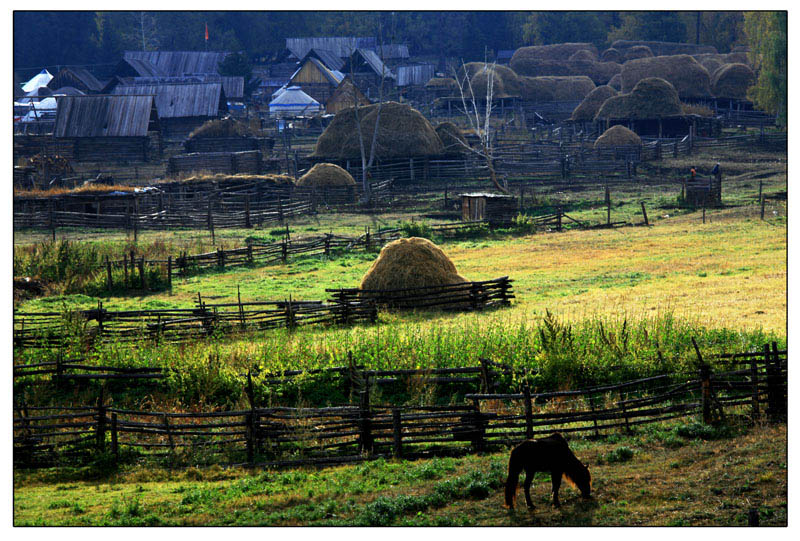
[182,107]
[315,79]
[107,128]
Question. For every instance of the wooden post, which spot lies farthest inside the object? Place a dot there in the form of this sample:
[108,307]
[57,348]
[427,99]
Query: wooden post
[248,434]
[135,219]
[211,224]
[169,437]
[101,422]
[109,282]
[624,413]
[528,412]
[486,376]
[705,382]
[125,269]
[397,449]
[594,418]
[771,385]
[704,213]
[752,517]
[780,396]
[142,281]
[169,272]
[760,189]
[644,214]
[114,440]
[608,206]
[250,254]
[220,258]
[365,440]
[763,199]
[247,223]
[755,413]
[478,442]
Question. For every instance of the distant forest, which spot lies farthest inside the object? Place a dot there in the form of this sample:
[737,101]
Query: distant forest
[98,38]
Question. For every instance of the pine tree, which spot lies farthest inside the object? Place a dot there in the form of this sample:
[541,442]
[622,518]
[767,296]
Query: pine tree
[766,35]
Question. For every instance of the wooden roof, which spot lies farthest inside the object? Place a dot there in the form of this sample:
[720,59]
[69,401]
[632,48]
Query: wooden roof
[76,77]
[331,60]
[233,86]
[340,46]
[136,67]
[182,99]
[104,116]
[172,63]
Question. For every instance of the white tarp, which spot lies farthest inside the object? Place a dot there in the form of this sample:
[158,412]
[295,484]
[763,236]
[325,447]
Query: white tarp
[39,80]
[43,110]
[293,102]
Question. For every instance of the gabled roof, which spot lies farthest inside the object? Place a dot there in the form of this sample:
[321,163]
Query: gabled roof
[137,67]
[233,86]
[104,116]
[80,78]
[331,60]
[172,63]
[371,59]
[340,46]
[392,51]
[181,100]
[332,77]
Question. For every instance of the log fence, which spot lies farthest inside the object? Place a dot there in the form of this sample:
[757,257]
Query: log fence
[292,436]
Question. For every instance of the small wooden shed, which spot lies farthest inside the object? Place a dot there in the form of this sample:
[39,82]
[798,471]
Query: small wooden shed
[492,207]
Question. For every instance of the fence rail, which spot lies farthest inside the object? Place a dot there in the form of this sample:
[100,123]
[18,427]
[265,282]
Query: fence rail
[288,436]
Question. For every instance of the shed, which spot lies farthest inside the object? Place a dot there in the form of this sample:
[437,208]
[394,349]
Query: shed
[182,107]
[172,63]
[78,78]
[492,207]
[315,79]
[107,128]
[416,75]
[346,95]
[293,102]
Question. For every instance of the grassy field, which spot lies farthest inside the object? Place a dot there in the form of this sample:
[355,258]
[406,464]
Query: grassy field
[684,475]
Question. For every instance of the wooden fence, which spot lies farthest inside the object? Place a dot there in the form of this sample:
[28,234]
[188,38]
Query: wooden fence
[748,384]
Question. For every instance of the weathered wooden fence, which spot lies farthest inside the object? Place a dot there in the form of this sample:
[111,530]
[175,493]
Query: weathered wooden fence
[751,384]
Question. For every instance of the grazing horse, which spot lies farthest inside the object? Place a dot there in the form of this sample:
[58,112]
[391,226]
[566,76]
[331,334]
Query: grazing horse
[550,454]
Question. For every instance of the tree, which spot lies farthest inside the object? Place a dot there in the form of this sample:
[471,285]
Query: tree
[650,26]
[722,29]
[766,36]
[545,27]
[238,65]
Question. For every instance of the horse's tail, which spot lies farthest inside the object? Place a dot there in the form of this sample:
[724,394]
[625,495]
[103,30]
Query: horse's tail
[515,465]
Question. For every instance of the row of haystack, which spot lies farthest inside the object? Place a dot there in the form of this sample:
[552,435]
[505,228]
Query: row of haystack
[402,132]
[223,127]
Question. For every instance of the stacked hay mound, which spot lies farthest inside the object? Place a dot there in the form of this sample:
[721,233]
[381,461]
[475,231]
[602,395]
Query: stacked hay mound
[402,132]
[616,82]
[411,263]
[611,55]
[583,55]
[542,89]
[442,83]
[552,60]
[558,52]
[223,127]
[618,136]
[505,81]
[587,110]
[711,63]
[665,48]
[599,72]
[241,178]
[453,142]
[638,51]
[731,81]
[651,98]
[325,175]
[689,78]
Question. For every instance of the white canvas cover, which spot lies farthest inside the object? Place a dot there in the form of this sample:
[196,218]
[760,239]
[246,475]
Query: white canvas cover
[38,80]
[293,102]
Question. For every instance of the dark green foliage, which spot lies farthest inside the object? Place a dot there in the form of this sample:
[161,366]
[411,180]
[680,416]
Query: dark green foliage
[620,454]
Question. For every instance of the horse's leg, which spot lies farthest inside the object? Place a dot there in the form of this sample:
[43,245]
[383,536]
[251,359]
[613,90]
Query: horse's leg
[556,478]
[528,480]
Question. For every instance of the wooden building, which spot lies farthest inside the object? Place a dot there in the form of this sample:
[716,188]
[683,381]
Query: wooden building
[346,95]
[181,107]
[367,71]
[78,78]
[233,86]
[342,47]
[492,207]
[315,79]
[107,128]
[136,67]
[177,63]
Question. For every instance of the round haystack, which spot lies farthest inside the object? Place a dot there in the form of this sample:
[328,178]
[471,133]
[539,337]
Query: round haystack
[731,81]
[638,51]
[651,98]
[403,132]
[569,88]
[665,48]
[737,57]
[453,141]
[583,55]
[711,63]
[611,55]
[505,81]
[409,263]
[618,136]
[616,82]
[586,111]
[599,72]
[442,83]
[557,52]
[533,67]
[324,175]
[223,127]
[689,78]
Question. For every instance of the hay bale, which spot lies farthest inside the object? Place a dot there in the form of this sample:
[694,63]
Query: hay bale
[586,111]
[403,132]
[532,67]
[408,263]
[731,81]
[223,127]
[599,72]
[542,89]
[616,82]
[618,136]
[221,179]
[611,55]
[453,142]
[583,55]
[711,63]
[689,78]
[664,48]
[557,52]
[326,175]
[651,98]
[737,57]
[638,51]
[505,81]
[442,83]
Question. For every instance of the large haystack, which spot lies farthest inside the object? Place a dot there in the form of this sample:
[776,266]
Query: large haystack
[402,132]
[558,52]
[533,67]
[447,83]
[586,111]
[453,141]
[409,263]
[665,48]
[223,127]
[689,78]
[505,82]
[222,179]
[542,89]
[712,63]
[611,55]
[583,55]
[324,175]
[637,51]
[651,98]
[731,81]
[618,136]
[599,72]
[616,82]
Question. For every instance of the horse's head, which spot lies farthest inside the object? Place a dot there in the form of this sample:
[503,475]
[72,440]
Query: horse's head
[581,479]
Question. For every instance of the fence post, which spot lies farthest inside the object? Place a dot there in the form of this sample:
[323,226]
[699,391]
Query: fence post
[608,206]
[109,282]
[220,258]
[705,379]
[594,417]
[763,201]
[114,441]
[397,449]
[478,441]
[754,381]
[486,376]
[247,223]
[528,412]
[169,272]
[752,517]
[101,422]
[211,223]
[142,281]
[283,250]
[624,413]
[135,219]
[365,443]
[644,214]
[781,398]
[250,253]
[248,434]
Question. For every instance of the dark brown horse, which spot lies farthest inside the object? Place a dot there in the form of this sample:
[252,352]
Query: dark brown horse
[550,454]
